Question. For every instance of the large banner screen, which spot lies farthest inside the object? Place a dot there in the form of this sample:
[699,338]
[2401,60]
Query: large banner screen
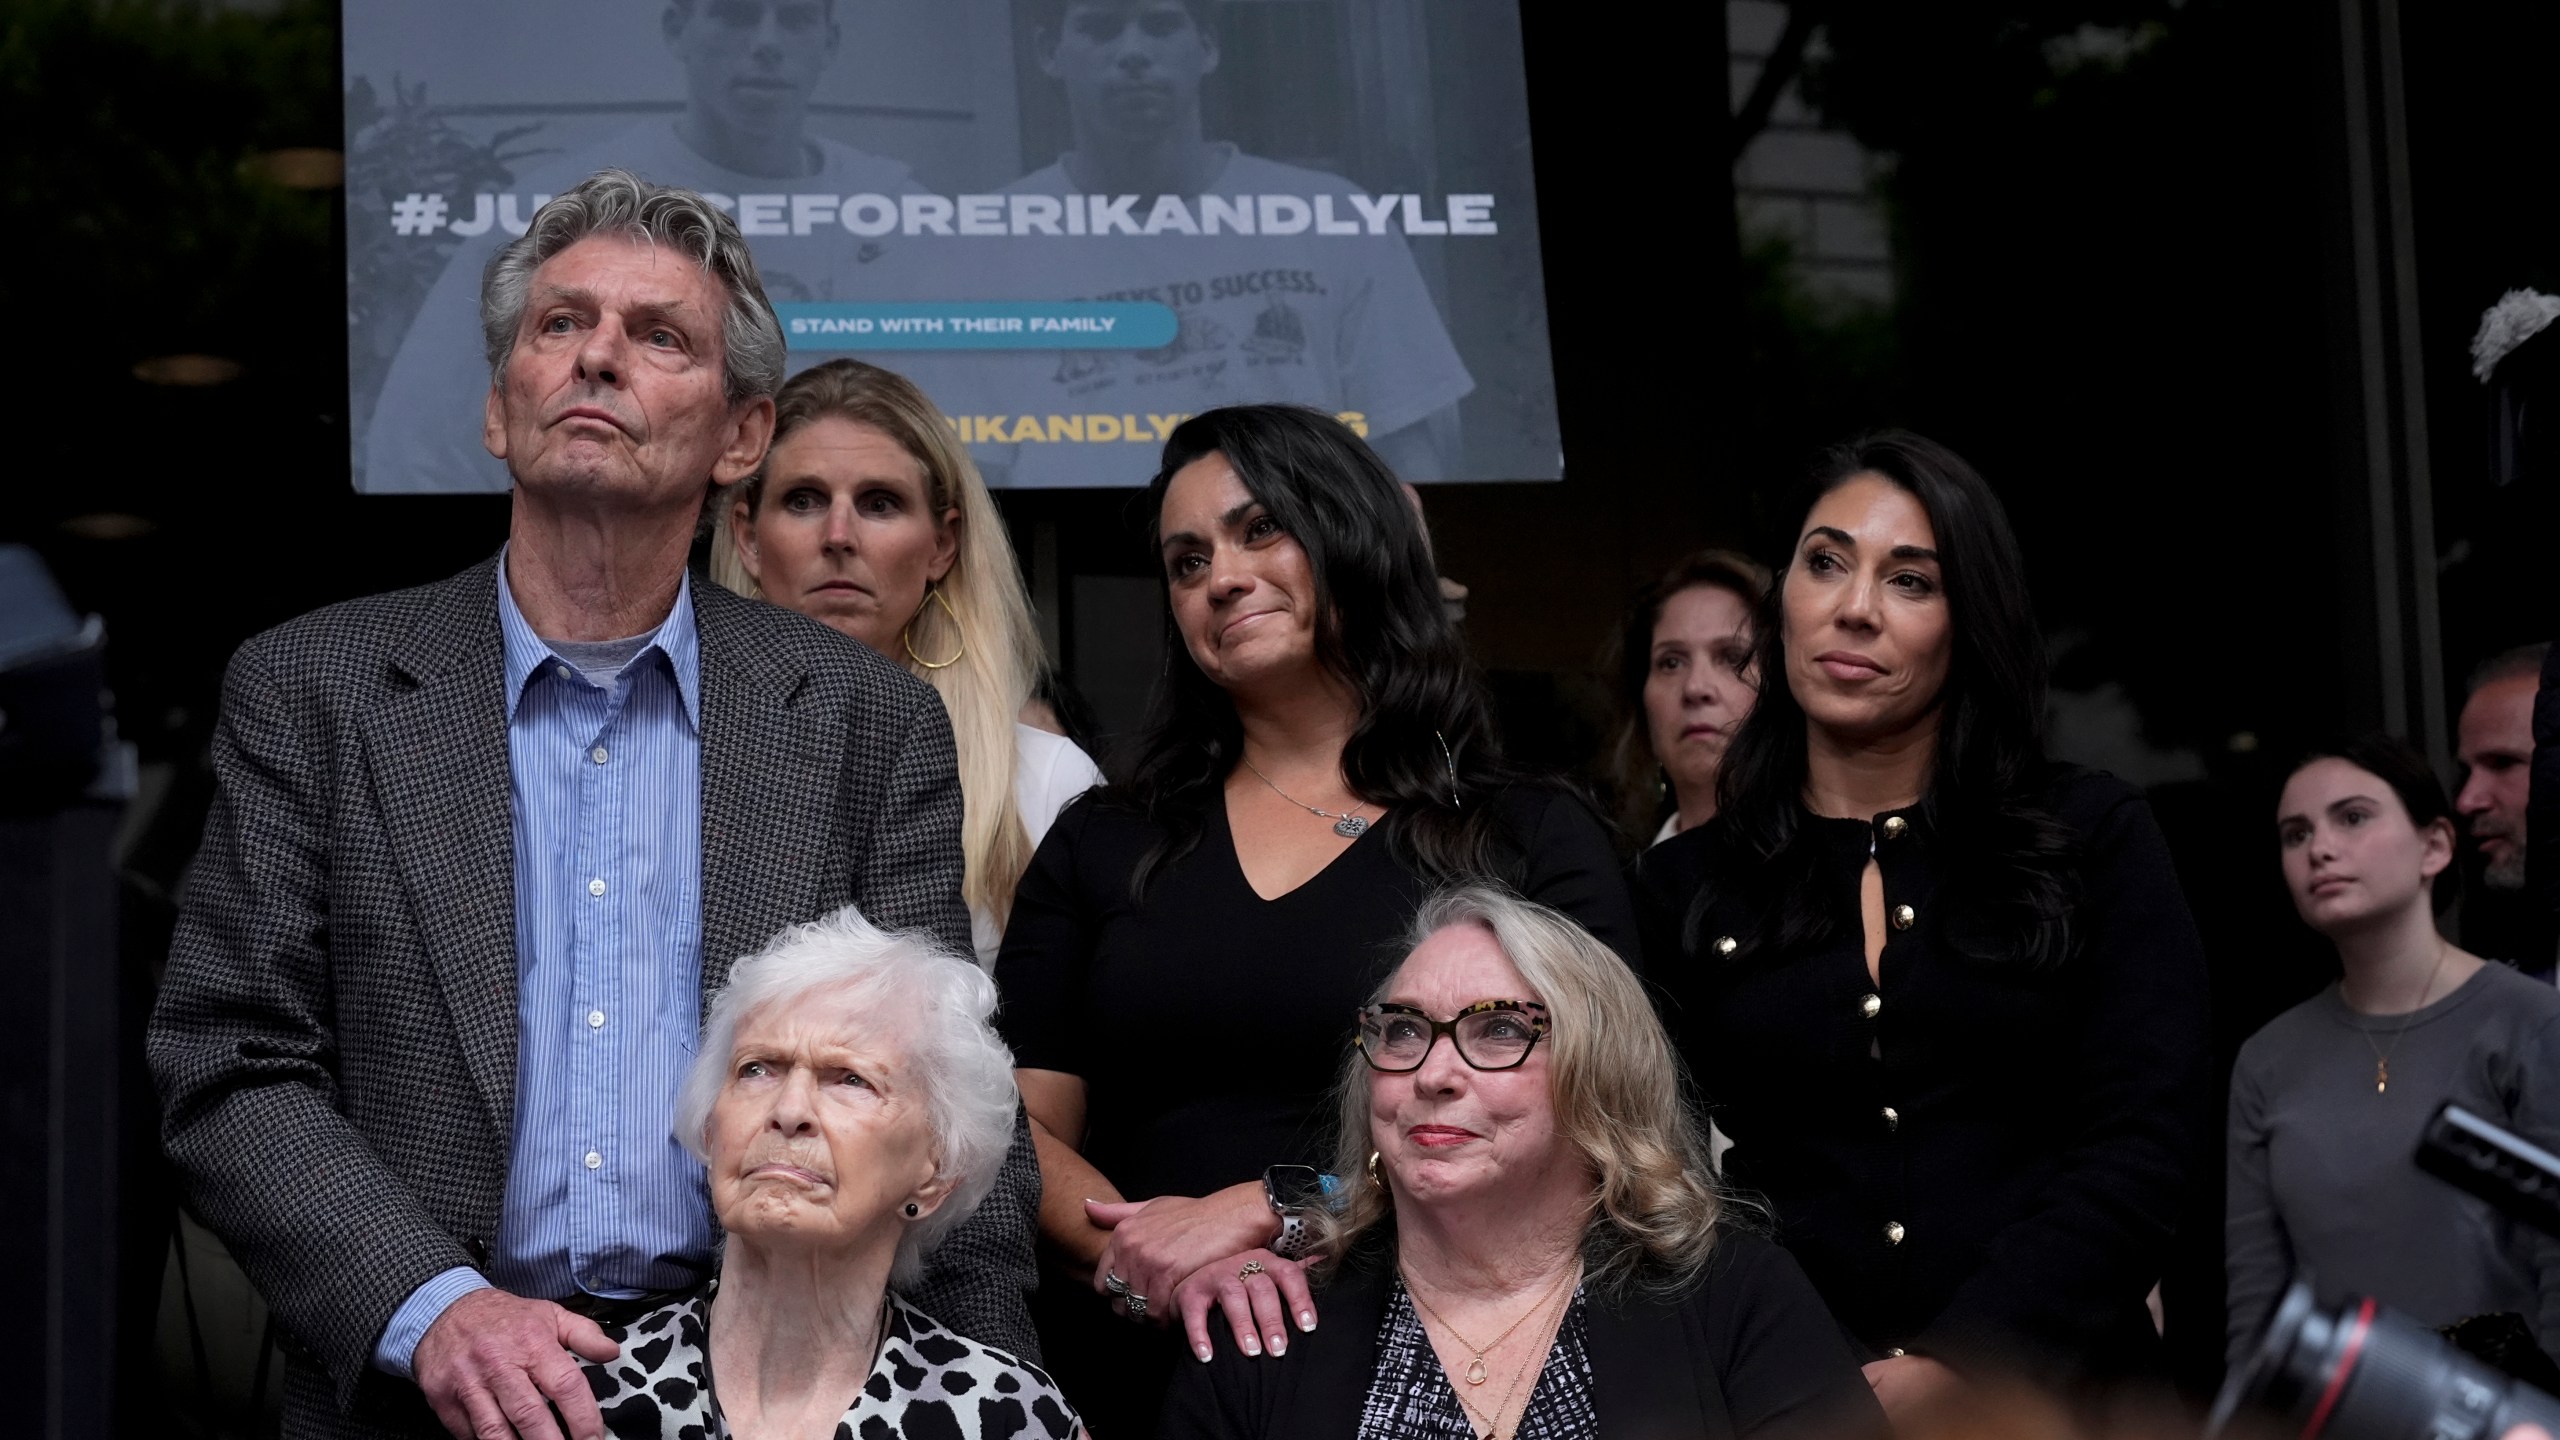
[1073,222]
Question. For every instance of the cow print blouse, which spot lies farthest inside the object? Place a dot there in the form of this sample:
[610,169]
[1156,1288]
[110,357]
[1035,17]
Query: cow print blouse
[928,1384]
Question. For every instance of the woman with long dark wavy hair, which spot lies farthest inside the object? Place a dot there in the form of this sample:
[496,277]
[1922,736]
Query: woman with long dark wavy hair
[1186,947]
[1945,996]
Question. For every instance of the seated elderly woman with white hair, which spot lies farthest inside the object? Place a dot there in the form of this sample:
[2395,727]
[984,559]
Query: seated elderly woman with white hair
[851,1105]
[1532,1245]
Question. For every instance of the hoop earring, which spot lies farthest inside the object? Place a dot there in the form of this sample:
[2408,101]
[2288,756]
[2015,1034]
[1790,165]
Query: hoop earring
[1373,1171]
[1452,762]
[907,637]
[913,1209]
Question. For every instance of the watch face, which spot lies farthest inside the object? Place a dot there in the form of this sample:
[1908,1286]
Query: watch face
[1294,1187]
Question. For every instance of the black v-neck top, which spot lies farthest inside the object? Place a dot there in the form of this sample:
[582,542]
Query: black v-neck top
[1209,1024]
[1975,1160]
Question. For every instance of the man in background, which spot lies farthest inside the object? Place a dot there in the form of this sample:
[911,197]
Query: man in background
[750,68]
[2494,742]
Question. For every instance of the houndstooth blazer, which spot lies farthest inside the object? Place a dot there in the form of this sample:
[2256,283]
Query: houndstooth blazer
[335,1041]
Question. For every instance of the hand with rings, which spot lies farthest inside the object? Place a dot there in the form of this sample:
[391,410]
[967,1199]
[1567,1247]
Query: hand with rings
[1259,1291]
[1155,1245]
[1135,1303]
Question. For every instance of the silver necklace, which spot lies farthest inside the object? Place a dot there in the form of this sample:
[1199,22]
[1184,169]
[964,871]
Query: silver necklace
[1345,824]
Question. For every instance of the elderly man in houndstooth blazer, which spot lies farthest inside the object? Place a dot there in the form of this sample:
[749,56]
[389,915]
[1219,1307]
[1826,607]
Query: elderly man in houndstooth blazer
[476,867]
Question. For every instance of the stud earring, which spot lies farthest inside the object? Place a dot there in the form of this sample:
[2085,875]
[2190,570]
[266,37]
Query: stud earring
[913,1209]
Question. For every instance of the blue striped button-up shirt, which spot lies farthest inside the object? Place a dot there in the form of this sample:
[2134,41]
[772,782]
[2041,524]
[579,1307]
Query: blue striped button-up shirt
[607,789]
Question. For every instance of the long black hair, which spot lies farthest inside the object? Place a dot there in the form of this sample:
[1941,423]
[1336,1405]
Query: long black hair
[2010,873]
[1380,628]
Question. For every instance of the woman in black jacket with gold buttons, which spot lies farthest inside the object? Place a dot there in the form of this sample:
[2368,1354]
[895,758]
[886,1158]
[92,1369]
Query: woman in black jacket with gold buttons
[1945,997]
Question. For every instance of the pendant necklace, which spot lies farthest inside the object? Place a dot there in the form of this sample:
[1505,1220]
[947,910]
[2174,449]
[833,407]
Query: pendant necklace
[1477,1374]
[2382,1053]
[1345,824]
[1493,1421]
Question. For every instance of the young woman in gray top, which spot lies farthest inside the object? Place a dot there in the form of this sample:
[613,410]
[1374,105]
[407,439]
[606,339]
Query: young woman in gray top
[2327,1101]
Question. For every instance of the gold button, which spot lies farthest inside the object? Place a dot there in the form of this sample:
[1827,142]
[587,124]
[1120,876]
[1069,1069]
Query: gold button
[1893,1232]
[1892,1118]
[1903,915]
[1869,1006]
[1894,1352]
[1726,945]
[1894,825]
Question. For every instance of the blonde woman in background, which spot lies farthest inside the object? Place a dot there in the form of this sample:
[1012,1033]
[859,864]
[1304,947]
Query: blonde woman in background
[870,517]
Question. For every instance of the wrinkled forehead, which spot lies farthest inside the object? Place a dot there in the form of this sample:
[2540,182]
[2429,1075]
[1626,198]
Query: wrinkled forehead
[630,267]
[847,1019]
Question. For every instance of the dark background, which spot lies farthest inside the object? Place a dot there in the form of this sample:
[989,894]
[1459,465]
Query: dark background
[2129,290]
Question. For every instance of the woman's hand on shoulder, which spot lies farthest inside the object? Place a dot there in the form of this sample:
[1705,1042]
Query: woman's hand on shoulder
[1260,1293]
[1156,1244]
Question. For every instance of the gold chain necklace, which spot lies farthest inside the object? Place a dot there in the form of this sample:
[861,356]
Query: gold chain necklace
[2382,1053]
[1493,1422]
[1476,1372]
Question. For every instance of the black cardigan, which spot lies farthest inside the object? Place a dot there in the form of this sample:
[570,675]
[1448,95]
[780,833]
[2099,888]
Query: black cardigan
[1974,1160]
[1749,1351]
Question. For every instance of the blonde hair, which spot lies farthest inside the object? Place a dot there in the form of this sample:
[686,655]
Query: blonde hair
[988,623]
[1614,1082]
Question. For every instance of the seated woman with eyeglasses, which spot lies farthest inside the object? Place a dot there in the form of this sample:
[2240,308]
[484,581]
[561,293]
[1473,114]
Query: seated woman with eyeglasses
[1532,1244]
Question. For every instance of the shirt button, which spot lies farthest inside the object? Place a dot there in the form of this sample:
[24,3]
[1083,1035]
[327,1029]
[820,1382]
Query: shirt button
[595,1160]
[1892,1118]
[1903,916]
[1894,826]
[601,754]
[596,886]
[1726,945]
[1893,1231]
[562,671]
[595,1021]
[1867,1007]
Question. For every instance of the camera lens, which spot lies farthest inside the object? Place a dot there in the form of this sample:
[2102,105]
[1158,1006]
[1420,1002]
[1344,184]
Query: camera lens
[2361,1372]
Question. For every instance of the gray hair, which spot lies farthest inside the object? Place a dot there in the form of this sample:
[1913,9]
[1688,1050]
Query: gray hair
[935,1003]
[1616,1084]
[617,202]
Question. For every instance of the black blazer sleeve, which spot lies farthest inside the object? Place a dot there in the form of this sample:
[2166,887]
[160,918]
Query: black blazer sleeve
[243,1045]
[2096,1240]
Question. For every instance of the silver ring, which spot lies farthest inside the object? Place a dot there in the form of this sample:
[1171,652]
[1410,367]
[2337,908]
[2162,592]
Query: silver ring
[1112,1282]
[1137,1304]
[1251,1269]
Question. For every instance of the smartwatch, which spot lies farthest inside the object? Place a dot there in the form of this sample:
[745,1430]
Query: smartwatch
[1293,1191]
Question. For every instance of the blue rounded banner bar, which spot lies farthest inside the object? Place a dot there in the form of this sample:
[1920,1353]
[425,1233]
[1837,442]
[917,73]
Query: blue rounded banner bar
[979,325]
